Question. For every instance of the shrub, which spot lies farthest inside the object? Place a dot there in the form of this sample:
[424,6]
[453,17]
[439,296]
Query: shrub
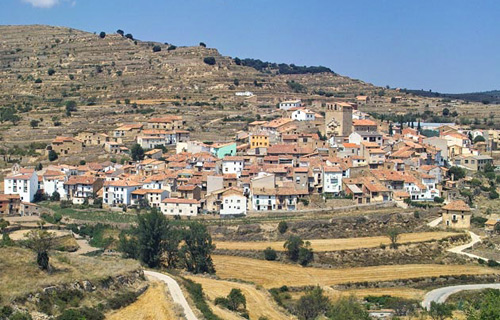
[492,263]
[305,256]
[120,32]
[51,71]
[493,195]
[102,35]
[38,80]
[209,60]
[122,300]
[282,227]
[129,36]
[438,200]
[52,155]
[196,292]
[156,48]
[202,44]
[270,254]
[171,47]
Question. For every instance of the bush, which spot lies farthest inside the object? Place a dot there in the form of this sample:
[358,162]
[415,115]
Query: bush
[51,71]
[102,35]
[122,300]
[493,195]
[156,48]
[270,254]
[196,292]
[282,227]
[492,263]
[171,47]
[52,155]
[305,256]
[438,200]
[79,314]
[202,44]
[209,60]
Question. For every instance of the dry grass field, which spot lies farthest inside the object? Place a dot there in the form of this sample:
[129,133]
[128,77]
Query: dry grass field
[21,234]
[153,304]
[259,302]
[322,245]
[25,276]
[274,274]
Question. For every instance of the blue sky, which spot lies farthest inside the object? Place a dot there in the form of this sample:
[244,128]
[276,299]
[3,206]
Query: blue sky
[443,45]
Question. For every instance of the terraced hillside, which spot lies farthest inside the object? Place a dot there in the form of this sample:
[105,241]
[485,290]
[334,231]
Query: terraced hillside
[115,67]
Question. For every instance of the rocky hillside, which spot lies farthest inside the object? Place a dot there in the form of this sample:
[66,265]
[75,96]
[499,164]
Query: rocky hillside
[44,63]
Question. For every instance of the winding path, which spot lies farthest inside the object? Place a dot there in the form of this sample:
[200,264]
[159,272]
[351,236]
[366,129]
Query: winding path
[175,291]
[440,295]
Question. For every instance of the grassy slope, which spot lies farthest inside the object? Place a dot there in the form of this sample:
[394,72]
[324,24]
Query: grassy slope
[337,244]
[273,274]
[259,303]
[20,275]
[152,304]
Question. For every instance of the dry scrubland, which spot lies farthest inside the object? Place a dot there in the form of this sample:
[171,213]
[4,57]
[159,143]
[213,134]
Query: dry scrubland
[324,245]
[153,304]
[259,302]
[274,274]
[26,277]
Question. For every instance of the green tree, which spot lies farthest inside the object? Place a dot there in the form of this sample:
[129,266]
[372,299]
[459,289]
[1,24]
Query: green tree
[479,139]
[34,123]
[197,249]
[391,130]
[152,233]
[347,309]
[41,242]
[305,254]
[202,44]
[236,300]
[120,32]
[446,112]
[393,235]
[52,155]
[440,311]
[209,60]
[102,35]
[457,173]
[292,246]
[55,196]
[137,152]
[312,304]
[270,254]
[282,227]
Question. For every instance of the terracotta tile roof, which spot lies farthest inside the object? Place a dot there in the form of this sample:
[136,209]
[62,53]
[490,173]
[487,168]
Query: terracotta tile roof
[364,122]
[457,205]
[146,191]
[181,201]
[122,183]
[74,180]
[332,169]
[186,188]
[165,119]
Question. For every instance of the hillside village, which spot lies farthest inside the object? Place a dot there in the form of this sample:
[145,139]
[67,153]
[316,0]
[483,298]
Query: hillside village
[312,154]
[281,184]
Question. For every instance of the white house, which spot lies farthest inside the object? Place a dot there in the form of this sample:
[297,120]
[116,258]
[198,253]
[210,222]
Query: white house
[233,202]
[358,137]
[303,114]
[233,164]
[151,142]
[23,182]
[332,180]
[153,197]
[288,104]
[181,207]
[53,181]
[263,199]
[79,188]
[119,192]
